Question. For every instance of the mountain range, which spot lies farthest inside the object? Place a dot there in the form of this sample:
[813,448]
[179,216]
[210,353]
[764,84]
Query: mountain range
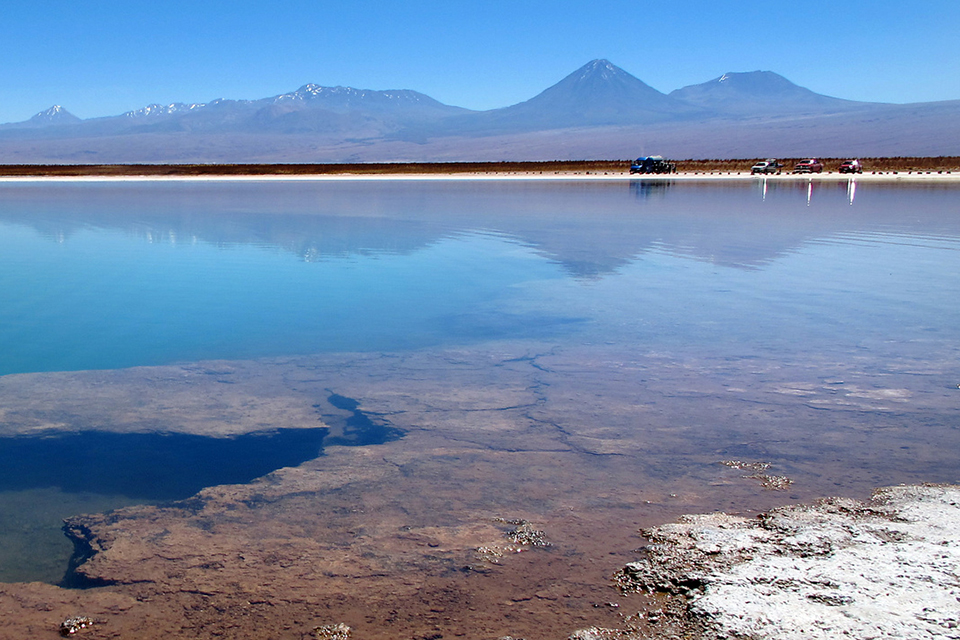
[597,112]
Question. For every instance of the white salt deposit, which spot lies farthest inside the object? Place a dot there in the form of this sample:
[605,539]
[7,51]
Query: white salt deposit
[889,568]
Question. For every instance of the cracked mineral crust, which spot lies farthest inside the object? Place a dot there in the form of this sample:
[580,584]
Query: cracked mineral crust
[842,568]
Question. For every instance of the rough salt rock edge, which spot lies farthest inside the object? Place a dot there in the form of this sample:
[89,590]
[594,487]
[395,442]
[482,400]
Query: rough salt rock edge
[71,626]
[338,631]
[596,633]
[886,568]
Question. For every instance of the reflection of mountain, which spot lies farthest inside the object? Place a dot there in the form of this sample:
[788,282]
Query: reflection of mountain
[315,225]
[591,229]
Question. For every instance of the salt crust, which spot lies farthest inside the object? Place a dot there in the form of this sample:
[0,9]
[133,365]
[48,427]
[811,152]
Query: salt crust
[883,569]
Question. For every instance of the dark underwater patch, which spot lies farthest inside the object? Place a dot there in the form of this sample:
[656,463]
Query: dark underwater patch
[150,466]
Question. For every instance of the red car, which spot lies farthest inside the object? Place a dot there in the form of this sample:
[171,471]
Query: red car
[851,166]
[810,165]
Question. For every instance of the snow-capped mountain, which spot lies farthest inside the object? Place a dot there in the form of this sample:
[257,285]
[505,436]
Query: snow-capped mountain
[599,111]
[597,94]
[55,115]
[55,118]
[347,98]
[602,93]
[156,110]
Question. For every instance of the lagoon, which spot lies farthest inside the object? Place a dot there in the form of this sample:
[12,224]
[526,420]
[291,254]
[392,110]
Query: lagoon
[575,351]
[103,276]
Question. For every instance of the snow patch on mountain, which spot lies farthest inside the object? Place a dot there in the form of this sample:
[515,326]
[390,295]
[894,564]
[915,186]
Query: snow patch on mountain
[155,110]
[54,115]
[601,69]
[311,92]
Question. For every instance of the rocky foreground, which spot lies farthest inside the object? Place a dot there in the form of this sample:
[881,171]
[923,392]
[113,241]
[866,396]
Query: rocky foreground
[887,568]
[514,495]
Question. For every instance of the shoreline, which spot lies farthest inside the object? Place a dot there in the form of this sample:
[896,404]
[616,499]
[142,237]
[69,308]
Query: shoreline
[885,169]
[499,176]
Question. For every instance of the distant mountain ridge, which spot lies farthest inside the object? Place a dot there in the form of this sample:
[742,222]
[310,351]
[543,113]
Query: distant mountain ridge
[311,108]
[598,111]
[346,98]
[158,110]
[757,92]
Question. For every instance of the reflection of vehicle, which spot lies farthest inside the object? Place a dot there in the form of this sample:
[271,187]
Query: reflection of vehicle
[766,166]
[851,166]
[652,164]
[810,165]
[644,189]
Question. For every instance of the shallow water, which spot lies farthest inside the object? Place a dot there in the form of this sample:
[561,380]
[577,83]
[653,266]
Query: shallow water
[702,305]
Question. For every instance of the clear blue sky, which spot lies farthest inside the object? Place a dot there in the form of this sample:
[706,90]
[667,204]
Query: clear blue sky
[105,57]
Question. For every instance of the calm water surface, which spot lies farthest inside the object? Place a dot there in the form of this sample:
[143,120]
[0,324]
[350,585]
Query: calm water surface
[115,275]
[118,275]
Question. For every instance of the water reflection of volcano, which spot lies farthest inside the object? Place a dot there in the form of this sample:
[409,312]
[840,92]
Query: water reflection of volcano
[590,228]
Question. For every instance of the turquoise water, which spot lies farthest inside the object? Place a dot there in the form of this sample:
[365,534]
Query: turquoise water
[101,276]
[777,276]
[108,297]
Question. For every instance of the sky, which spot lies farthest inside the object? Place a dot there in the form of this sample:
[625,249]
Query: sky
[106,57]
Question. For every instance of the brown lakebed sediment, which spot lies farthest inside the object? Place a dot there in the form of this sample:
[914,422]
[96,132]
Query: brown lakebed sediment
[585,444]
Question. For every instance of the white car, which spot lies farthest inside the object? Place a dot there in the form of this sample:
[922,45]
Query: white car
[766,166]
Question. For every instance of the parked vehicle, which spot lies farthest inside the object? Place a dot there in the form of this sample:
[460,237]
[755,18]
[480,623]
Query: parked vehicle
[766,166]
[652,164]
[810,165]
[851,166]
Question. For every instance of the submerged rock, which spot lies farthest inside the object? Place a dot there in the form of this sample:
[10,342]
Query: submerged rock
[767,481]
[337,631]
[884,568]
[72,625]
[598,633]
[524,534]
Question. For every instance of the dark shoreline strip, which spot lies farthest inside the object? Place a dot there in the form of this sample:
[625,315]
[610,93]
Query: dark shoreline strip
[398,168]
[932,164]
